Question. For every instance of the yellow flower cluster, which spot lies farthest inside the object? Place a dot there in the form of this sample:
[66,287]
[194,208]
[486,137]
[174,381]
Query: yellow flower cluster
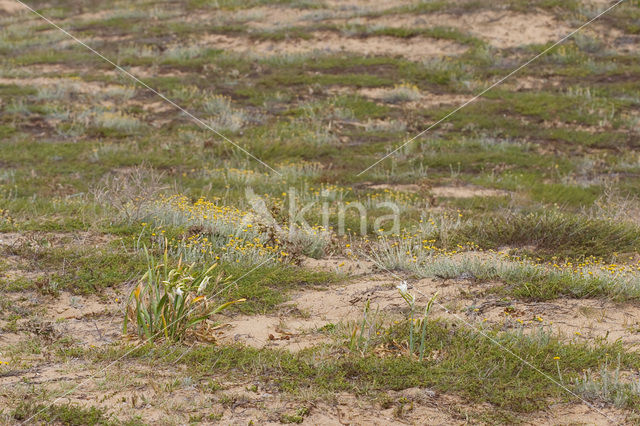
[398,197]
[233,249]
[407,86]
[218,232]
[592,266]
[5,217]
[202,212]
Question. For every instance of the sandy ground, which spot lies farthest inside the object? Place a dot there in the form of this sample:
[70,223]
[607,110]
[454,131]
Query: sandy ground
[445,191]
[137,388]
[501,29]
[96,321]
[11,7]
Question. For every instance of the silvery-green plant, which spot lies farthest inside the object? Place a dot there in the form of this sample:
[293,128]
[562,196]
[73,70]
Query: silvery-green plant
[117,121]
[608,386]
[416,324]
[402,93]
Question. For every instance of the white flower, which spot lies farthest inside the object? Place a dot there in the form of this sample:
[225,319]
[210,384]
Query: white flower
[179,291]
[403,288]
[204,283]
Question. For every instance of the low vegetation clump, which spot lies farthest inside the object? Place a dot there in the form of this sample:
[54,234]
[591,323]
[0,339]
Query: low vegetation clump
[402,93]
[223,116]
[68,414]
[117,121]
[523,276]
[229,234]
[608,385]
[554,233]
[170,303]
[213,230]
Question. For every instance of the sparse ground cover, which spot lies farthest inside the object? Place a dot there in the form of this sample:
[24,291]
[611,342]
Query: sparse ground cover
[153,273]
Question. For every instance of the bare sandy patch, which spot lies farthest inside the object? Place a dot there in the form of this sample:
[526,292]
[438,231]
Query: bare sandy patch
[444,191]
[10,6]
[91,320]
[465,300]
[577,414]
[271,17]
[466,192]
[159,394]
[341,265]
[93,15]
[401,187]
[346,302]
[579,319]
[10,238]
[343,303]
[415,49]
[501,29]
[12,275]
[262,331]
[297,324]
[510,29]
[425,404]
[158,107]
[532,83]
[364,6]
[88,320]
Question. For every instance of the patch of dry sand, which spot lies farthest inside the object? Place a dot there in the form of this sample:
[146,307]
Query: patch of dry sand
[445,191]
[366,6]
[532,83]
[466,192]
[346,302]
[89,320]
[400,187]
[261,331]
[501,29]
[271,17]
[340,265]
[426,407]
[10,6]
[580,319]
[577,414]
